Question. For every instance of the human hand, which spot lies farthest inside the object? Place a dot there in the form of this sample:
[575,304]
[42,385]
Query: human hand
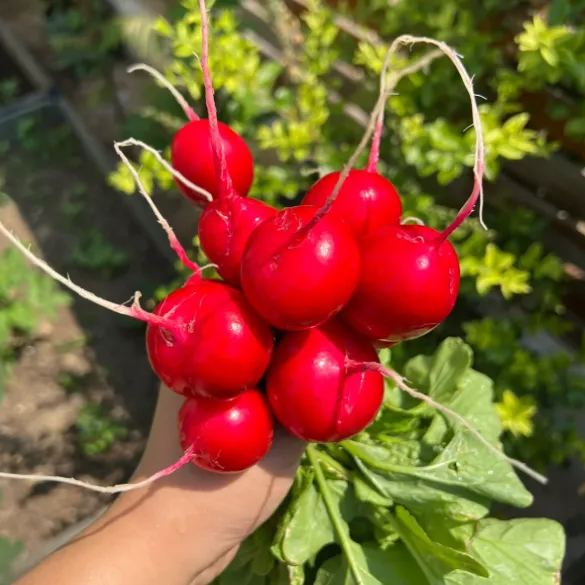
[182,530]
[220,510]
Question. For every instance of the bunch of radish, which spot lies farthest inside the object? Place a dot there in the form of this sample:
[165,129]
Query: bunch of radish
[307,294]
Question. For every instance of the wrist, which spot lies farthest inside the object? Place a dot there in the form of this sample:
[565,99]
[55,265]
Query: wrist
[169,525]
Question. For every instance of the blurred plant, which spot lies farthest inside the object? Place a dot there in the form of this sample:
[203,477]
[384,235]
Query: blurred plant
[26,297]
[31,136]
[9,89]
[97,431]
[94,252]
[83,35]
[554,54]
[9,552]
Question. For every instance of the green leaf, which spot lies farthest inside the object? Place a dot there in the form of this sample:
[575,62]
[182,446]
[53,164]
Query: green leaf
[524,551]
[467,462]
[352,552]
[435,560]
[451,360]
[393,566]
[368,494]
[439,374]
[309,529]
[417,491]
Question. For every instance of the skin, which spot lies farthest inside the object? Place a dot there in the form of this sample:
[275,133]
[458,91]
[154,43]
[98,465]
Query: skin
[184,529]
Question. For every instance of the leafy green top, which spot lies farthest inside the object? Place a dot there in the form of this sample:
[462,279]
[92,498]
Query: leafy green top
[407,501]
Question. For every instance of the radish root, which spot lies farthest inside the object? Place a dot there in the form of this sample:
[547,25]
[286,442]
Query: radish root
[134,311]
[402,384]
[173,240]
[166,165]
[114,489]
[189,111]
[387,84]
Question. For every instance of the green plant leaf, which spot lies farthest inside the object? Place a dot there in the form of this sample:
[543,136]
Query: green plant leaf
[523,551]
[309,529]
[393,566]
[434,559]
[451,360]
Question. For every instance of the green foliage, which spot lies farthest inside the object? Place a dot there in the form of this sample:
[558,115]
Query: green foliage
[408,500]
[151,174]
[496,269]
[9,89]
[26,297]
[97,431]
[33,138]
[94,252]
[83,35]
[554,54]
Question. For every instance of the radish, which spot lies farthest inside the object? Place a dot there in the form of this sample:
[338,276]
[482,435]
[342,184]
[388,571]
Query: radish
[366,200]
[226,435]
[219,345]
[224,229]
[192,156]
[408,284]
[193,153]
[314,393]
[226,223]
[298,269]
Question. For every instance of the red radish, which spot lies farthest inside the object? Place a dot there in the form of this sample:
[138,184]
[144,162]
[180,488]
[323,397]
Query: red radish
[192,155]
[312,391]
[226,224]
[297,272]
[226,435]
[219,347]
[408,284]
[366,200]
[207,152]
[224,229]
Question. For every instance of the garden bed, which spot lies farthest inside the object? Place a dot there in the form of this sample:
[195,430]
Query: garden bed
[83,375]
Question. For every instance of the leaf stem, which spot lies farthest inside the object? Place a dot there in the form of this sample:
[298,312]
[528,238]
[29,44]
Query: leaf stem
[336,467]
[353,448]
[334,515]
[174,243]
[226,187]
